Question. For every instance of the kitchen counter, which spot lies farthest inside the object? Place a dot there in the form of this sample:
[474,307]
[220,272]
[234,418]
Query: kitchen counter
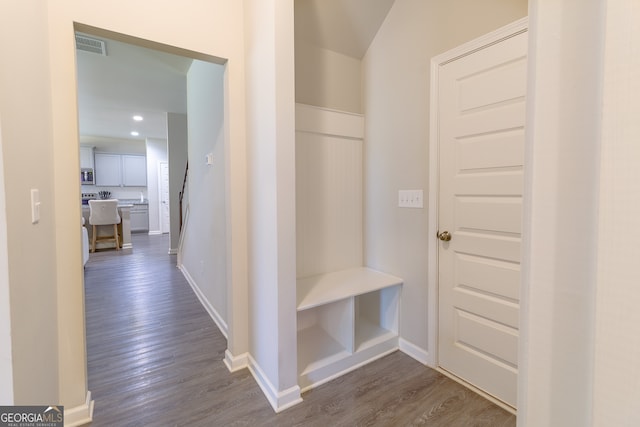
[133,202]
[124,228]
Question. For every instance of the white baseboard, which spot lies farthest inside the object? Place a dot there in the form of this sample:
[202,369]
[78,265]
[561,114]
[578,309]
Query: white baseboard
[349,368]
[155,233]
[173,251]
[127,245]
[235,363]
[79,415]
[219,321]
[279,400]
[418,353]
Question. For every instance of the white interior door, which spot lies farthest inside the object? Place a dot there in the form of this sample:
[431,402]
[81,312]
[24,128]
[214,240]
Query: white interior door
[165,218]
[481,114]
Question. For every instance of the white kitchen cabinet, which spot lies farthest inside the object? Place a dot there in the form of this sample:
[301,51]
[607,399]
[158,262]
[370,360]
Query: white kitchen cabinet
[86,157]
[108,170]
[120,170]
[139,218]
[134,171]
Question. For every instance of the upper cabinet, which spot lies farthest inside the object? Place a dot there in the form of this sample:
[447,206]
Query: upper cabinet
[134,171]
[120,170]
[86,157]
[108,170]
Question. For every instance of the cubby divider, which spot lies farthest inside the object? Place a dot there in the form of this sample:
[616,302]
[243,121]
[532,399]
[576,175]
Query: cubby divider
[345,319]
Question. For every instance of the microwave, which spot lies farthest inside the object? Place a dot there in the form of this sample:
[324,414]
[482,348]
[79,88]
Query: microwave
[86,176]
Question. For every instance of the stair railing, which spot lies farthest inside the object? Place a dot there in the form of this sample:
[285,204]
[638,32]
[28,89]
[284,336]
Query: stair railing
[181,194]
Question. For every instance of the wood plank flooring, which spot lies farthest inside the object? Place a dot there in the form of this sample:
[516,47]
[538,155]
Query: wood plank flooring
[155,359]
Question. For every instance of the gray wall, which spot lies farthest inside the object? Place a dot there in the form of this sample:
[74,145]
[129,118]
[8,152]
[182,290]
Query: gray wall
[204,247]
[327,79]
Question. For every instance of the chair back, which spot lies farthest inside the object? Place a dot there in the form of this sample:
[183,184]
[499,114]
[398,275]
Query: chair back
[103,212]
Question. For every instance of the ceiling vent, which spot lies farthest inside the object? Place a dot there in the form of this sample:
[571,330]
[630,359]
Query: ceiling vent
[92,45]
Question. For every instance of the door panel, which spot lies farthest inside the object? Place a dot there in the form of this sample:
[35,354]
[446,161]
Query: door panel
[508,149]
[489,214]
[481,157]
[492,338]
[490,276]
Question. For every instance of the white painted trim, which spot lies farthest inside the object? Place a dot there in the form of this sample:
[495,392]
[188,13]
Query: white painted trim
[415,352]
[127,245]
[279,400]
[325,121]
[155,233]
[235,363]
[6,356]
[160,227]
[482,42]
[350,368]
[159,194]
[172,251]
[79,415]
[213,313]
[494,37]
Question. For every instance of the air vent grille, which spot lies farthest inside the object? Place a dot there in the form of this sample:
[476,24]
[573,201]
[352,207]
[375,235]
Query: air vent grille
[92,45]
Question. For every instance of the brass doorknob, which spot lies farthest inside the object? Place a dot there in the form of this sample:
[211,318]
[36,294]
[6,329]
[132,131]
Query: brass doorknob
[445,236]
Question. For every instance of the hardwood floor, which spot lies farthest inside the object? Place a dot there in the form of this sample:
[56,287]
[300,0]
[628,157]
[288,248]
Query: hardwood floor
[155,359]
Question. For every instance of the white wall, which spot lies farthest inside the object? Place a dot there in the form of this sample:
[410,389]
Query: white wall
[560,232]
[328,190]
[617,341]
[271,167]
[396,107]
[582,334]
[204,255]
[327,79]
[114,145]
[30,263]
[43,154]
[6,355]
[156,153]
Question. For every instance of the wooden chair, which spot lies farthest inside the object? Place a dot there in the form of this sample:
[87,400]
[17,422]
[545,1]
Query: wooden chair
[104,212]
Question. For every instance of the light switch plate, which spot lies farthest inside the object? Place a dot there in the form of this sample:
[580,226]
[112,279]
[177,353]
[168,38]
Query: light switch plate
[35,205]
[410,199]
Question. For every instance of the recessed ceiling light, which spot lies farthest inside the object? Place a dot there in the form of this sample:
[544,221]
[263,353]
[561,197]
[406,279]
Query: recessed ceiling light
[134,133]
[138,118]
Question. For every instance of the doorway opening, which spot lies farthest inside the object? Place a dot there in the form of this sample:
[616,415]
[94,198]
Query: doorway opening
[163,107]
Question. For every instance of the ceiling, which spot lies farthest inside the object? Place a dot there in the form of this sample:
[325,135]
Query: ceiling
[344,26]
[132,80]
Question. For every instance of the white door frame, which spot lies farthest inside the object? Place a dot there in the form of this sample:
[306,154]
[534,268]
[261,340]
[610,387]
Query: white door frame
[494,37]
[6,358]
[160,208]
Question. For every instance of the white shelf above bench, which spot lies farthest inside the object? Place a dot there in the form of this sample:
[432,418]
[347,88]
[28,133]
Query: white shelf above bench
[326,288]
